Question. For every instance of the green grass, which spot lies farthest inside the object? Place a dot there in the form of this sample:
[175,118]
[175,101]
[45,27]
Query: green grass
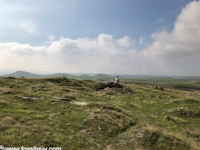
[43,112]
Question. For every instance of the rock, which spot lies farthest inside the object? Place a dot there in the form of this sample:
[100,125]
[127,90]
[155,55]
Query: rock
[79,103]
[101,86]
[111,88]
[159,88]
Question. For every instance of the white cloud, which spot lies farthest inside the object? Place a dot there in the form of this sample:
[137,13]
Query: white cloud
[102,54]
[126,42]
[177,52]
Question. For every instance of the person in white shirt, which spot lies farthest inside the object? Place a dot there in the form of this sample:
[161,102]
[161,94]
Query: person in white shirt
[116,80]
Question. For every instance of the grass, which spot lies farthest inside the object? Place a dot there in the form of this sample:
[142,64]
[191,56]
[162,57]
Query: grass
[46,112]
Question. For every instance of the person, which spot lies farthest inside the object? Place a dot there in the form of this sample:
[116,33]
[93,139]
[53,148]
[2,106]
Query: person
[116,80]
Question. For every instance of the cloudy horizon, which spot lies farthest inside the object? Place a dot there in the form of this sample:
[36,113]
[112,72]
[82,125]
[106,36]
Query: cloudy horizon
[169,45]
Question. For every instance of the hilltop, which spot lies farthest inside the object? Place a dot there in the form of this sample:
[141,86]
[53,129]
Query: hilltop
[19,74]
[84,114]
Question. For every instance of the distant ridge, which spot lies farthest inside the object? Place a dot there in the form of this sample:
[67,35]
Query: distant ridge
[95,77]
[19,74]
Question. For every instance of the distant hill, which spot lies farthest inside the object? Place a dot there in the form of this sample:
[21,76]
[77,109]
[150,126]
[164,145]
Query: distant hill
[141,79]
[19,74]
[95,77]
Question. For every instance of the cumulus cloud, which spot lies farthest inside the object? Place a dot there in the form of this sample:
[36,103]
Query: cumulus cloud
[126,42]
[102,54]
[176,52]
[179,51]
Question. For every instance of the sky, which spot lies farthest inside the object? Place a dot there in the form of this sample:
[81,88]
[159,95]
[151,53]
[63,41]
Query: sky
[151,37]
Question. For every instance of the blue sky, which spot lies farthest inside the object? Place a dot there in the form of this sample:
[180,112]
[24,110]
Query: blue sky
[88,18]
[100,36]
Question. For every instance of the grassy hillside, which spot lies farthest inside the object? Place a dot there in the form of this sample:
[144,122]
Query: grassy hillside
[85,115]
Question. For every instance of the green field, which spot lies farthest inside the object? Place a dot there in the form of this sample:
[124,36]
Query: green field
[85,115]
